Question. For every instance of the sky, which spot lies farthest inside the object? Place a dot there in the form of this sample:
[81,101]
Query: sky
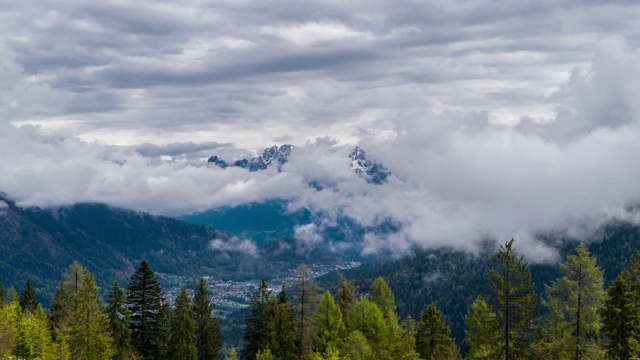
[497,119]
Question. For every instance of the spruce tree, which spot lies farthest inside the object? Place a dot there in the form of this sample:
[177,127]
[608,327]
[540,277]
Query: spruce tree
[208,335]
[182,344]
[328,325]
[482,331]
[60,309]
[88,328]
[148,319]
[118,316]
[256,330]
[514,302]
[346,296]
[433,340]
[574,301]
[29,298]
[281,327]
[621,321]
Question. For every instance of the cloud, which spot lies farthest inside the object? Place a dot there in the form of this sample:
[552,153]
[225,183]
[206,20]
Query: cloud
[235,245]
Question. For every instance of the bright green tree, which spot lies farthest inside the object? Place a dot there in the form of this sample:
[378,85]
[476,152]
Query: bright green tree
[574,301]
[382,296]
[29,298]
[356,347]
[208,335]
[88,328]
[182,344]
[514,302]
[265,355]
[482,331]
[368,319]
[148,319]
[281,327]
[621,321]
[118,316]
[60,309]
[328,325]
[256,337]
[433,340]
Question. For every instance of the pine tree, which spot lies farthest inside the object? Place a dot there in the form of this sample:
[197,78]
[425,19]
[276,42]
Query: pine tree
[29,298]
[346,296]
[281,327]
[255,333]
[60,309]
[368,319]
[383,297]
[433,340]
[208,335]
[182,345]
[328,325]
[307,300]
[118,316]
[88,332]
[574,301]
[482,331]
[621,321]
[148,320]
[513,300]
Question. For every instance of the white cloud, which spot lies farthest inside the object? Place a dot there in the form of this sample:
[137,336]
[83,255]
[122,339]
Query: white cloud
[235,245]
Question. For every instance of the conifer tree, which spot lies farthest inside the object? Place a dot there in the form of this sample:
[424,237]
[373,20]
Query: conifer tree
[357,347]
[307,300]
[118,316]
[29,298]
[346,296]
[88,332]
[281,327]
[574,301]
[433,340]
[328,325]
[60,309]
[182,344]
[208,335]
[148,319]
[482,331]
[406,348]
[368,319]
[514,302]
[383,297]
[255,333]
[39,334]
[621,321]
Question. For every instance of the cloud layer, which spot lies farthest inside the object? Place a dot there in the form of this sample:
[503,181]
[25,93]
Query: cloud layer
[496,119]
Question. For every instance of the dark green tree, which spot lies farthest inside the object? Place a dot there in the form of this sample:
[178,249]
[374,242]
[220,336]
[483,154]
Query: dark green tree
[118,316]
[29,298]
[256,337]
[514,302]
[433,340]
[182,344]
[148,319]
[281,327]
[209,340]
[621,321]
[307,298]
[346,296]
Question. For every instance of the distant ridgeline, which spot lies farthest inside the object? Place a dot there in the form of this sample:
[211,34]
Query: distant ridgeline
[373,172]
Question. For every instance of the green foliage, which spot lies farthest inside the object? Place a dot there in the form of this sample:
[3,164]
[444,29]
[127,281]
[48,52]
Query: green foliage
[207,332]
[382,296]
[148,319]
[346,296]
[29,298]
[574,301]
[119,319]
[514,302]
[356,347]
[265,355]
[307,298]
[182,344]
[327,324]
[433,340]
[482,331]
[88,328]
[256,330]
[368,319]
[230,354]
[621,321]
[281,327]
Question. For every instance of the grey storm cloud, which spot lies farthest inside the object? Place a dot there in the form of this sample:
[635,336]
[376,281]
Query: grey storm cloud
[496,118]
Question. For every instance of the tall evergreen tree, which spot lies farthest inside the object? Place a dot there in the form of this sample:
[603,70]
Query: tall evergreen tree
[145,303]
[514,302]
[307,300]
[382,296]
[281,327]
[328,325]
[346,296]
[482,331]
[29,298]
[368,319]
[577,298]
[88,332]
[433,340]
[621,321]
[118,316]
[255,333]
[208,335]
[182,344]
[60,309]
